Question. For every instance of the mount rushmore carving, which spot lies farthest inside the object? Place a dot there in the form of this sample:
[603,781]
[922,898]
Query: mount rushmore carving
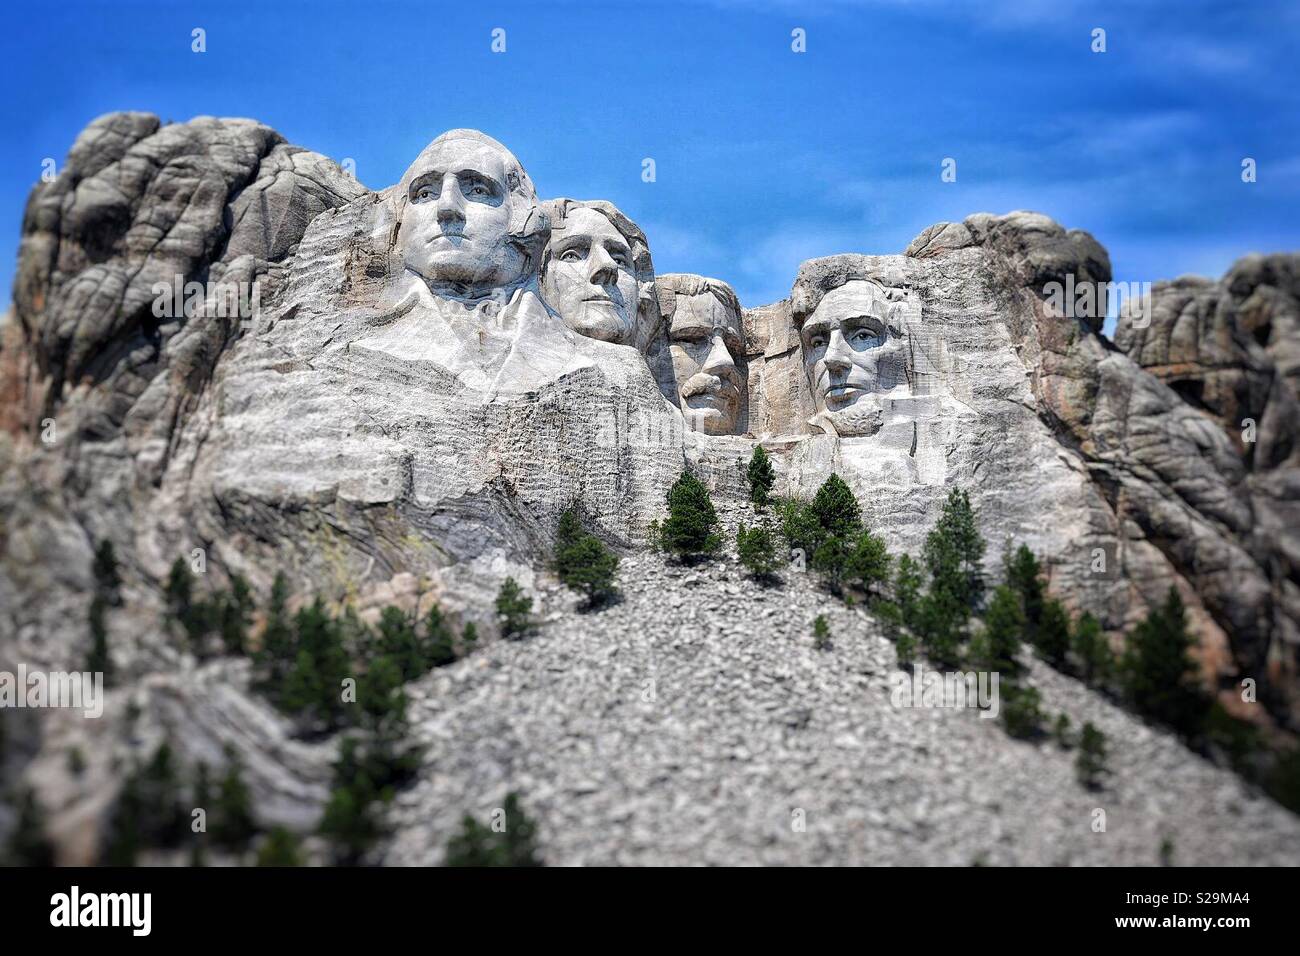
[440,367]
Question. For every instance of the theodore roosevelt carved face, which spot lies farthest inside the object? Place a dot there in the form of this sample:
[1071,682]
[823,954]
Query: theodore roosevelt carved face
[707,346]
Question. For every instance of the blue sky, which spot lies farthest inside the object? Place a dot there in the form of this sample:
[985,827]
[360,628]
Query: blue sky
[764,157]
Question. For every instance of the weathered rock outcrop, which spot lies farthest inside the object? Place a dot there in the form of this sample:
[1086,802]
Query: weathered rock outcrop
[418,397]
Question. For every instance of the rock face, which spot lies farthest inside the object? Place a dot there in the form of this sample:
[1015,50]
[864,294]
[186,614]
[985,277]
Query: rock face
[223,342]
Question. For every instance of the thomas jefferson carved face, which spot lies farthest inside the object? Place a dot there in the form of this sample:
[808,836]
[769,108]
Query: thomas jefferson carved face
[467,203]
[590,277]
[705,342]
[850,353]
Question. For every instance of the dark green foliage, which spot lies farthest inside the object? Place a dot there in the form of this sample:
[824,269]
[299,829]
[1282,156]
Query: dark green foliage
[836,509]
[439,641]
[688,533]
[365,776]
[515,844]
[235,615]
[756,548]
[107,579]
[953,552]
[399,642]
[280,848]
[514,610]
[760,476]
[277,654]
[314,686]
[197,618]
[231,821]
[1090,647]
[28,845]
[1061,731]
[582,563]
[905,647]
[1282,782]
[99,660]
[941,621]
[107,593]
[907,591]
[1022,712]
[1053,634]
[1091,760]
[830,559]
[469,637]
[1024,577]
[148,811]
[1004,622]
[380,690]
[1159,673]
[800,527]
[821,634]
[867,565]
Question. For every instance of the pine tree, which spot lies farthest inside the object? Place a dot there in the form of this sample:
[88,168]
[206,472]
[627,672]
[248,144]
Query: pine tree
[1091,760]
[837,510]
[829,561]
[954,551]
[1159,673]
[868,565]
[399,642]
[688,533]
[760,476]
[280,848]
[439,642]
[469,637]
[317,687]
[235,613]
[582,563]
[349,821]
[907,592]
[108,581]
[1003,624]
[1022,712]
[233,826]
[800,527]
[1053,635]
[478,845]
[1091,648]
[756,549]
[278,654]
[821,633]
[99,661]
[380,693]
[1024,578]
[166,823]
[514,610]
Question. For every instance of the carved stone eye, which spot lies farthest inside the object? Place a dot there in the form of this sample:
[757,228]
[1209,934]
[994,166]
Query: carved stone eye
[423,194]
[571,255]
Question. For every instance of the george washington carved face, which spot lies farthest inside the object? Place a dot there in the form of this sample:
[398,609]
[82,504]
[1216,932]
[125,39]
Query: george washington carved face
[470,221]
[851,353]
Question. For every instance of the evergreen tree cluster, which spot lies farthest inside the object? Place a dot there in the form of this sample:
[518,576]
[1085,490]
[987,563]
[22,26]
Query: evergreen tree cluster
[513,843]
[760,477]
[582,563]
[689,532]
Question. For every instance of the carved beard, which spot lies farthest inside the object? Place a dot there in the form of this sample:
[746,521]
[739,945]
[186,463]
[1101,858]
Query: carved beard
[863,418]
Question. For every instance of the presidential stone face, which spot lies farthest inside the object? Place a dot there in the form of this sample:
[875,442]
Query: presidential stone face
[590,276]
[470,221]
[851,354]
[706,343]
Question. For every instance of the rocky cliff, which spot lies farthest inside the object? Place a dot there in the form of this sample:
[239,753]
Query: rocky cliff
[406,407]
